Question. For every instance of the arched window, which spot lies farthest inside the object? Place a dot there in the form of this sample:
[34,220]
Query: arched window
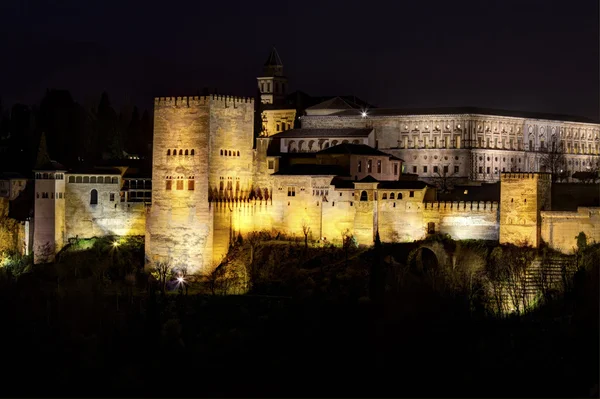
[229,152]
[192,152]
[334,143]
[238,153]
[392,196]
[399,195]
[45,175]
[71,179]
[186,152]
[115,180]
[94,197]
[174,152]
[221,152]
[180,152]
[101,179]
[78,179]
[169,152]
[384,196]
[86,179]
[93,179]
[364,196]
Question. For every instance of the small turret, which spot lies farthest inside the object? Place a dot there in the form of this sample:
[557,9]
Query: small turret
[272,84]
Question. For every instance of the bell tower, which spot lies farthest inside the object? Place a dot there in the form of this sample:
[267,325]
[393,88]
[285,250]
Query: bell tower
[272,84]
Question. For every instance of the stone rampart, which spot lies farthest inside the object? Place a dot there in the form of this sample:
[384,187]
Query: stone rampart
[560,229]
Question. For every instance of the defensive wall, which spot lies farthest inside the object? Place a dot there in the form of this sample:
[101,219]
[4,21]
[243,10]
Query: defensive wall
[560,229]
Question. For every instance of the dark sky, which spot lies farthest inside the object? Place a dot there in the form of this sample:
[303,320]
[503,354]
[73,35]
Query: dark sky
[531,55]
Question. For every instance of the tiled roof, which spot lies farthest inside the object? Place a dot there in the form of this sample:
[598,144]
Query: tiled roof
[325,133]
[334,103]
[403,184]
[465,110]
[94,171]
[311,170]
[356,149]
[274,59]
[50,165]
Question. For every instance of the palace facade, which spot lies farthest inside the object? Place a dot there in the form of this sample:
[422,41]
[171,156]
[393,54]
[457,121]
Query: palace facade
[345,170]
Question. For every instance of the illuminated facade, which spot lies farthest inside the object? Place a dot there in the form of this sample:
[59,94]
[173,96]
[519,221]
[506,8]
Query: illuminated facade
[216,175]
[467,143]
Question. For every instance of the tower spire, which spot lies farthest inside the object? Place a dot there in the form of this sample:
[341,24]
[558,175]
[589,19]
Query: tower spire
[273,66]
[43,159]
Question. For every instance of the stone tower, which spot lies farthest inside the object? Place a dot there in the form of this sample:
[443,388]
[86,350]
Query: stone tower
[202,153]
[275,115]
[272,84]
[49,207]
[522,197]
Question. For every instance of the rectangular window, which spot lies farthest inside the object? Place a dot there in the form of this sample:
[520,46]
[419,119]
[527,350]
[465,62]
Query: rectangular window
[435,169]
[291,191]
[445,168]
[481,169]
[378,166]
[395,169]
[479,140]
[424,169]
[530,145]
[180,184]
[411,194]
[271,164]
[369,165]
[169,184]
[488,170]
[191,184]
[359,166]
[112,196]
[414,169]
[455,169]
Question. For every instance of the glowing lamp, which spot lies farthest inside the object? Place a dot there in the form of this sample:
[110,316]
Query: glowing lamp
[364,114]
[180,279]
[115,244]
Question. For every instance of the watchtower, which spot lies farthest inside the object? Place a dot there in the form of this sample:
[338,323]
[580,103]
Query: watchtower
[522,197]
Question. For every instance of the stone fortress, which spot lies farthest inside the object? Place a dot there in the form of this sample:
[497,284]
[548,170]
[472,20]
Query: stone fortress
[345,170]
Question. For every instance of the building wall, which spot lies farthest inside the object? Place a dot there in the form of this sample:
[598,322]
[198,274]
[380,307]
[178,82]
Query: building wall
[49,218]
[496,137]
[277,120]
[463,220]
[560,229]
[522,197]
[220,131]
[108,217]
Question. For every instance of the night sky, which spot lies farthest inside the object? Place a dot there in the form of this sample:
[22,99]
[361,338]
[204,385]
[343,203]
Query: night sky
[530,55]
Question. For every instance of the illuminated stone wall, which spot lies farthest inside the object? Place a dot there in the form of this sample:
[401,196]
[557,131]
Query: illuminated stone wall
[463,220]
[107,217]
[49,218]
[277,120]
[560,229]
[219,131]
[522,197]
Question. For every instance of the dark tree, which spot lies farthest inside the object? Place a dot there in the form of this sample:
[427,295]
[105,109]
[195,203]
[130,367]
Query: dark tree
[553,160]
[111,143]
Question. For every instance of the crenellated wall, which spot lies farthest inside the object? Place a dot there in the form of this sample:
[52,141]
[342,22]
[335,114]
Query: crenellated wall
[463,220]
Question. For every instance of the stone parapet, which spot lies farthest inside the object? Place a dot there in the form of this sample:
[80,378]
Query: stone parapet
[191,101]
[458,206]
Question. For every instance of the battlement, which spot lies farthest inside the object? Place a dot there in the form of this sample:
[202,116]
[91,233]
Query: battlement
[524,175]
[186,102]
[459,206]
